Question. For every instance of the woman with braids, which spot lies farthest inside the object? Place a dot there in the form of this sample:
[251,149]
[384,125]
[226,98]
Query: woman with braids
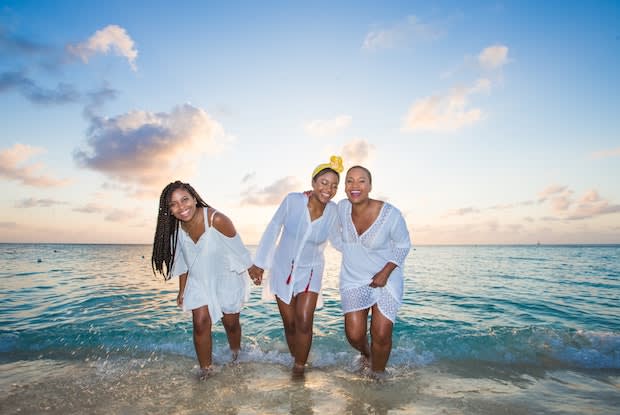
[304,222]
[198,244]
[375,243]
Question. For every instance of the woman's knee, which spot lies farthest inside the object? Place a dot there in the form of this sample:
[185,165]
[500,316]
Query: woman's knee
[231,324]
[202,326]
[355,335]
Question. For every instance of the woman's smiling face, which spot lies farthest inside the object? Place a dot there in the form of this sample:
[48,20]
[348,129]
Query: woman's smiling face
[357,185]
[182,205]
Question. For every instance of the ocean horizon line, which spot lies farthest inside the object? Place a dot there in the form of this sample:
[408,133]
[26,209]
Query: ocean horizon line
[605,244]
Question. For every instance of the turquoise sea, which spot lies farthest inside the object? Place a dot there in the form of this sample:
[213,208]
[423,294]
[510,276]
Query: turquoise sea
[483,330]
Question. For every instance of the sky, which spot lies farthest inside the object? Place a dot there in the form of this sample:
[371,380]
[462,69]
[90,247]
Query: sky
[483,122]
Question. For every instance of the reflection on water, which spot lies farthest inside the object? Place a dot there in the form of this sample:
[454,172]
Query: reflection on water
[164,387]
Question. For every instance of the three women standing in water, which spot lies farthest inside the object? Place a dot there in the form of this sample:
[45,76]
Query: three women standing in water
[371,234]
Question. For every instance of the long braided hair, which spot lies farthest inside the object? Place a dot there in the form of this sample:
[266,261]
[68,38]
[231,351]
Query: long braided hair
[167,229]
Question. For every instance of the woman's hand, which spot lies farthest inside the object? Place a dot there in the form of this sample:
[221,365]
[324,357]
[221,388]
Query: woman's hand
[256,273]
[381,277]
[180,299]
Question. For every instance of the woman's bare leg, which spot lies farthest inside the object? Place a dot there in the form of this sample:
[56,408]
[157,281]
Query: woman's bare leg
[355,327]
[202,336]
[287,312]
[233,332]
[381,340]
[305,304]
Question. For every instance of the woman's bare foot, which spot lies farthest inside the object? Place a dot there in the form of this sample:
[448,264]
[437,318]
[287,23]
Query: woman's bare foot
[298,370]
[363,363]
[205,373]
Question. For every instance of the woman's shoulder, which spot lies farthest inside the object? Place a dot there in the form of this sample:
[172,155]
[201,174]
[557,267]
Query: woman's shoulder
[391,210]
[343,202]
[222,223]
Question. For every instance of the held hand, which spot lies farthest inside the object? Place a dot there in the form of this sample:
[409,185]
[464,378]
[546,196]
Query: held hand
[256,273]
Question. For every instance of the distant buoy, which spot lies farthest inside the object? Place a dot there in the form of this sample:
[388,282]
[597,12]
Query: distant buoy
[39,260]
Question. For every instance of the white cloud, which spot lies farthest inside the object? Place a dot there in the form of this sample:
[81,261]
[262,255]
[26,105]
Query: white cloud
[400,34]
[357,151]
[32,202]
[614,152]
[322,128]
[493,57]
[445,113]
[553,189]
[14,166]
[110,38]
[272,194]
[145,149]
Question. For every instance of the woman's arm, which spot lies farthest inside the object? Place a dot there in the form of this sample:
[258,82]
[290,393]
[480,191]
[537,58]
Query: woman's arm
[182,282]
[267,245]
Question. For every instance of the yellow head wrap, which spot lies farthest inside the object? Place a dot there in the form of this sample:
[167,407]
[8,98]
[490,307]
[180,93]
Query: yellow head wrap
[335,163]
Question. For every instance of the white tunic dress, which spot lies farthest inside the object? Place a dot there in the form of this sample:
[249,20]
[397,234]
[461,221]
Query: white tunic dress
[295,264]
[386,240]
[217,268]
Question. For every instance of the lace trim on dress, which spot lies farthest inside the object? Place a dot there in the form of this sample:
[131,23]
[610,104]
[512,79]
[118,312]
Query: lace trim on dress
[364,297]
[358,298]
[400,254]
[388,305]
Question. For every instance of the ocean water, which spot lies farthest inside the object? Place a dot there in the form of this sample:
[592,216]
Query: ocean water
[483,330]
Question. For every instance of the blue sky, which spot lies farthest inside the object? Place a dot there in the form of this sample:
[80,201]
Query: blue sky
[483,122]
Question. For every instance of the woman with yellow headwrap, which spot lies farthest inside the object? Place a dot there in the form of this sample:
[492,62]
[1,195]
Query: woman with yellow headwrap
[303,222]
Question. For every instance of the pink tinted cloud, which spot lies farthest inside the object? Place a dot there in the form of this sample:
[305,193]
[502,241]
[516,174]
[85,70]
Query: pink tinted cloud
[272,194]
[15,165]
[111,38]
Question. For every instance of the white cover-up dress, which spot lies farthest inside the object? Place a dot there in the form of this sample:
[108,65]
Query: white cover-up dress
[296,262]
[217,268]
[386,240]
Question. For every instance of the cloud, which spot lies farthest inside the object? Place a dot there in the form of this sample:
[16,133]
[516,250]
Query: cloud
[146,149]
[272,194]
[110,38]
[248,177]
[90,208]
[118,215]
[613,152]
[357,152]
[561,203]
[445,113]
[17,80]
[551,190]
[13,166]
[591,205]
[401,34]
[462,212]
[32,202]
[24,51]
[493,57]
[110,214]
[322,128]
[20,45]
[451,111]
[97,98]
